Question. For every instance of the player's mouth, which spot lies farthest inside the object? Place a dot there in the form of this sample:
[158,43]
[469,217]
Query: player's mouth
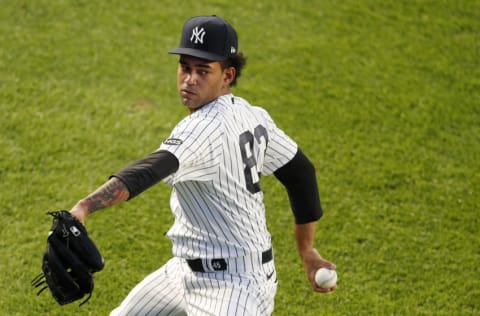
[187,92]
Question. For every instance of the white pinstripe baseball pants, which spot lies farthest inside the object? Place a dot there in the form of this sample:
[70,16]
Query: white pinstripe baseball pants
[175,290]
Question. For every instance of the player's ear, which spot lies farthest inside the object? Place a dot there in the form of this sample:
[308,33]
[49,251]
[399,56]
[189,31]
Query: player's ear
[229,75]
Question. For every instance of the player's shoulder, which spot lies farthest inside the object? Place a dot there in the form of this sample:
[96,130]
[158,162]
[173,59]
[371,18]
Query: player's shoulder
[254,109]
[198,120]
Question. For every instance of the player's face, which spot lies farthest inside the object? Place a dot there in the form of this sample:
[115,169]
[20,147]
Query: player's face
[200,81]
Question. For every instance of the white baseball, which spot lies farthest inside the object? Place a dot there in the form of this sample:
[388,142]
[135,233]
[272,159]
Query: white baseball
[326,278]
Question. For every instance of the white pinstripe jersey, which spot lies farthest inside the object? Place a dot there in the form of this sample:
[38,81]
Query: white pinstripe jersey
[222,148]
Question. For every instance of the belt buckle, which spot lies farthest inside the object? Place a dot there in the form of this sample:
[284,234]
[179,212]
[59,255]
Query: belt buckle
[218,264]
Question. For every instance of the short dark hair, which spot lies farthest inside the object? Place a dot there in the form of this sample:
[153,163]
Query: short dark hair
[238,62]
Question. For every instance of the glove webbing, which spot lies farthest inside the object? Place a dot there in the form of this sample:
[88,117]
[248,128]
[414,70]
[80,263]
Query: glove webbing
[39,280]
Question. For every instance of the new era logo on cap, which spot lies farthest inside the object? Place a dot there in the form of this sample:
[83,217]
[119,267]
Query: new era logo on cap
[208,37]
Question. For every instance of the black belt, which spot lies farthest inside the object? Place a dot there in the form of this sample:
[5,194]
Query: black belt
[221,264]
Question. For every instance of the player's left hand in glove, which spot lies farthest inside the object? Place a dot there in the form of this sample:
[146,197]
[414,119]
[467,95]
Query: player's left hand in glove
[69,261]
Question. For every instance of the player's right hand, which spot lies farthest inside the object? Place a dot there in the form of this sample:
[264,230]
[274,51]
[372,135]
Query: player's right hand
[312,261]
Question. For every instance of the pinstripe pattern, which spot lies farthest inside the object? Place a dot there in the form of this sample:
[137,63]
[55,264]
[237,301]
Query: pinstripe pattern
[222,149]
[215,215]
[175,290]
[160,293]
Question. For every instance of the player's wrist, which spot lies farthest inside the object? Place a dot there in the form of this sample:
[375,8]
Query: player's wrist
[308,254]
[80,211]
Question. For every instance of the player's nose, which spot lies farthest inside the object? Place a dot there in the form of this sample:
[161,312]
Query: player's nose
[190,79]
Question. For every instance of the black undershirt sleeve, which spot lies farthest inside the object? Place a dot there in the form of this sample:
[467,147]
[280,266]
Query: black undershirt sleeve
[298,177]
[142,174]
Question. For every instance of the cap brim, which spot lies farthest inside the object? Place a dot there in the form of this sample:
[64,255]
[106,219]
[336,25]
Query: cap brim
[197,53]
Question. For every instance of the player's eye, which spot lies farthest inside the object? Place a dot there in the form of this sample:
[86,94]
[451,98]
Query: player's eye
[185,68]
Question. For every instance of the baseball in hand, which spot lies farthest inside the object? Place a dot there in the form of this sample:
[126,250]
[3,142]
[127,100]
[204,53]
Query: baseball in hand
[326,278]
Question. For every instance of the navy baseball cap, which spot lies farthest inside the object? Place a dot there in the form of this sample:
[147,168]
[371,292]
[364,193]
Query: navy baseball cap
[208,37]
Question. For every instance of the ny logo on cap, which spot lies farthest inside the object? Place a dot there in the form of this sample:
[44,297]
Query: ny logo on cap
[197,35]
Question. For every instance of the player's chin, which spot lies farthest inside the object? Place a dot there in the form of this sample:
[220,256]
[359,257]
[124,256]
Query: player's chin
[191,104]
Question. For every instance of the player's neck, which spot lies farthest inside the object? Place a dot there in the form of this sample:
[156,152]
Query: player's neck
[198,108]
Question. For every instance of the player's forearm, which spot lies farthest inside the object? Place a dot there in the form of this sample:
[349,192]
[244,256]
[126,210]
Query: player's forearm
[111,193]
[312,261]
[304,237]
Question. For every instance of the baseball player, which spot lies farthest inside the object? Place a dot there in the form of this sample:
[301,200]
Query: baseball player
[222,260]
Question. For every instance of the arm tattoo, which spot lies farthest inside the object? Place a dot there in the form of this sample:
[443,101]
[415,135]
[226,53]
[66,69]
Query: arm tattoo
[111,193]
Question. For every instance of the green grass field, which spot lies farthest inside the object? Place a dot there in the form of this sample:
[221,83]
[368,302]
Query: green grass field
[383,96]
